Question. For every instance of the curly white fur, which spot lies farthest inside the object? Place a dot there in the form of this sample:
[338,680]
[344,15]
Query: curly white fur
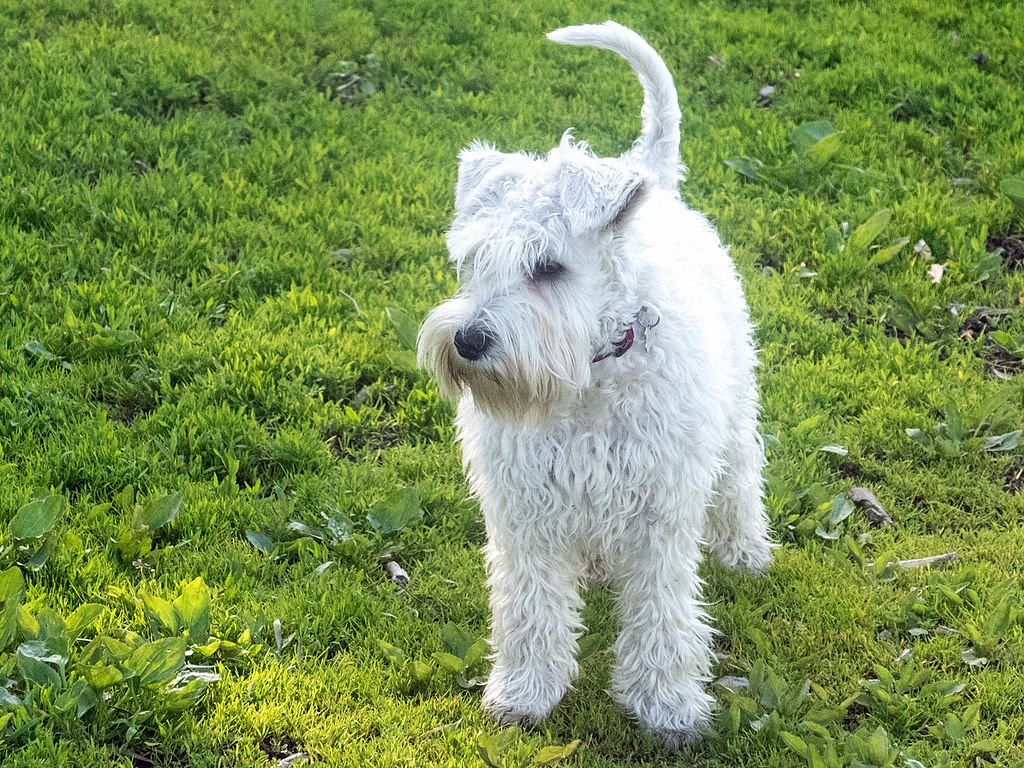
[600,443]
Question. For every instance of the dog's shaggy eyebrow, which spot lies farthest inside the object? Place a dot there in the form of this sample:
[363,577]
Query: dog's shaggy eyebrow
[506,253]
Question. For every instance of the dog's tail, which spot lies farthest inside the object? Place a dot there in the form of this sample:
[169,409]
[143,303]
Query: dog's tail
[657,149]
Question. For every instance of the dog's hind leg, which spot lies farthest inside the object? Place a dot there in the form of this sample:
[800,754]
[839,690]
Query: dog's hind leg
[736,527]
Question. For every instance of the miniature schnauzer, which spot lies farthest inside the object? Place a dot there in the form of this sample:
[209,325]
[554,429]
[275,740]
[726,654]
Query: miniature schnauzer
[601,357]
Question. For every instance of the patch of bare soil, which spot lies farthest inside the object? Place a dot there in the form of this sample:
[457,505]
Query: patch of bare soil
[1011,245]
[1014,480]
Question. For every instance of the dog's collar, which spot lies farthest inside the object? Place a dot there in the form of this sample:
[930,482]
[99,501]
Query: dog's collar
[643,321]
[619,348]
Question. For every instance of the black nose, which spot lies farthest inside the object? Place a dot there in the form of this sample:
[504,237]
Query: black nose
[472,342]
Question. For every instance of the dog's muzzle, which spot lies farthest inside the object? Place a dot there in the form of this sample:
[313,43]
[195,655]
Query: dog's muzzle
[472,342]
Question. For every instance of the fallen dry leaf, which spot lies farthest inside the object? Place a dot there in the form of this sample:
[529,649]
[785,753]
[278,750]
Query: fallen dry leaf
[397,574]
[868,504]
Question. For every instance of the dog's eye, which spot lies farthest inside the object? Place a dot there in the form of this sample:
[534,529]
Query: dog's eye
[547,270]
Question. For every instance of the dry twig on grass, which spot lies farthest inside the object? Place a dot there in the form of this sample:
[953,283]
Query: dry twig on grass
[933,560]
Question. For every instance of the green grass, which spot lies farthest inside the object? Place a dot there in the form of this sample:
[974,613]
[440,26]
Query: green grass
[206,212]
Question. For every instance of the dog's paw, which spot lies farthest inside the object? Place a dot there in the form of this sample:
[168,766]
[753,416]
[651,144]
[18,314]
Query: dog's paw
[682,732]
[514,697]
[676,740]
[752,556]
[756,563]
[677,715]
[507,715]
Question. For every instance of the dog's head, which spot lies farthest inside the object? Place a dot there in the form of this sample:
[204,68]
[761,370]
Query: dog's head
[544,289]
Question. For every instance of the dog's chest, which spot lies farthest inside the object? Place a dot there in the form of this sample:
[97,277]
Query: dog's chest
[577,475]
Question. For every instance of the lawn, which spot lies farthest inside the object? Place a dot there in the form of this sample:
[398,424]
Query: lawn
[220,224]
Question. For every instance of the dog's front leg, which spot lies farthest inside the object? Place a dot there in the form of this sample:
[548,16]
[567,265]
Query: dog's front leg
[663,653]
[535,607]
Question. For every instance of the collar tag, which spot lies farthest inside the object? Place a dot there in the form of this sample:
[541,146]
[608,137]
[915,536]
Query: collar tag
[646,319]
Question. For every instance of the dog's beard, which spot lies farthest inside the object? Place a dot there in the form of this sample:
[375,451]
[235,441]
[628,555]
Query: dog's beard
[528,376]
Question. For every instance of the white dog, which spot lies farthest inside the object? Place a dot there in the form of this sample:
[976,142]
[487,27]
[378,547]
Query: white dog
[601,357]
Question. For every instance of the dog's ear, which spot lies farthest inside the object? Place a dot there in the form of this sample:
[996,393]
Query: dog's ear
[475,162]
[596,193]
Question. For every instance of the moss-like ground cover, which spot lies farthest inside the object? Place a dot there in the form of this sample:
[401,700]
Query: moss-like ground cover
[219,225]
